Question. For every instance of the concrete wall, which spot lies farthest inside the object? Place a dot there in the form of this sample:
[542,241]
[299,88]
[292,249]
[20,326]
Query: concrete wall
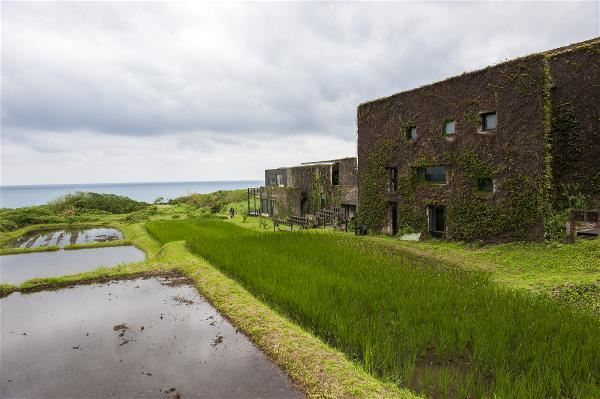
[303,181]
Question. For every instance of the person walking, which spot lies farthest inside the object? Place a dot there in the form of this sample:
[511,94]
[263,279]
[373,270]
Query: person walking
[231,213]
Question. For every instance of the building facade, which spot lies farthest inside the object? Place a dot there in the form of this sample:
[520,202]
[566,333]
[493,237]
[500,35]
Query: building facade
[309,188]
[486,155]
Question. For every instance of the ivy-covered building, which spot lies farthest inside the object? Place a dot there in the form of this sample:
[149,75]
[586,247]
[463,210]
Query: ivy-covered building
[310,187]
[488,155]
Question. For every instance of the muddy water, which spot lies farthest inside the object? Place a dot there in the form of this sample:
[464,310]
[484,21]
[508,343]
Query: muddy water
[15,269]
[62,237]
[138,338]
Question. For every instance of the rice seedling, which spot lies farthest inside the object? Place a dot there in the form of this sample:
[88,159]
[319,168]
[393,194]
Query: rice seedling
[444,332]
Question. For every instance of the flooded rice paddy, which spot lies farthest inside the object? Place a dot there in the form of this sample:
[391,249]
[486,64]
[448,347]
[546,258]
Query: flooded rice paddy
[15,269]
[154,337]
[63,237]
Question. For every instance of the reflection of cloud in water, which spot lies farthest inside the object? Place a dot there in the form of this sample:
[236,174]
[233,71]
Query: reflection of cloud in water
[60,237]
[173,351]
[15,269]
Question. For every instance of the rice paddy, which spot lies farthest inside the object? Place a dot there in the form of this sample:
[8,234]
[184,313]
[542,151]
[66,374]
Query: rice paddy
[439,330]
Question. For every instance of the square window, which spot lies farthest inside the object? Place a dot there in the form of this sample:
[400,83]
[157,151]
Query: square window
[488,121]
[485,184]
[411,133]
[432,174]
[450,128]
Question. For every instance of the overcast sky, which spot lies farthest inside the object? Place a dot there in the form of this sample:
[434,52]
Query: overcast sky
[119,92]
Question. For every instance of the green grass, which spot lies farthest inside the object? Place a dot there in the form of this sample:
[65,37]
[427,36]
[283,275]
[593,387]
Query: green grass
[16,251]
[569,273]
[215,202]
[114,243]
[535,266]
[398,315]
[6,289]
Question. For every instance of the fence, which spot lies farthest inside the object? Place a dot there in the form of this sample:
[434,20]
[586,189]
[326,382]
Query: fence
[253,195]
[584,222]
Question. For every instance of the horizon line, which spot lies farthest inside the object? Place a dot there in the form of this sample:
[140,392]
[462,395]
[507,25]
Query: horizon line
[125,183]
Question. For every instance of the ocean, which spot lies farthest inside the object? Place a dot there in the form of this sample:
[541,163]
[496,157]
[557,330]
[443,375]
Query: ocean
[20,196]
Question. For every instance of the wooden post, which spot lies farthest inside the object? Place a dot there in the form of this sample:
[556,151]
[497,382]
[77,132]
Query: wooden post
[248,195]
[572,232]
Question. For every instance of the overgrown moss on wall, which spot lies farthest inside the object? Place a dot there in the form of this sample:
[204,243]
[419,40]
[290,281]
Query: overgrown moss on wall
[471,217]
[548,183]
[372,203]
[575,123]
[478,215]
[471,214]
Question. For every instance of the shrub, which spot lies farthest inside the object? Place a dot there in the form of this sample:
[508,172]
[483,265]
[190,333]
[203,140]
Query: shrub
[71,208]
[556,226]
[111,203]
[262,222]
[216,201]
[140,215]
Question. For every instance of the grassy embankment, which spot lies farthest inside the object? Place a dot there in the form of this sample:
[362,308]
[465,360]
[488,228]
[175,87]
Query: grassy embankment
[317,369]
[411,320]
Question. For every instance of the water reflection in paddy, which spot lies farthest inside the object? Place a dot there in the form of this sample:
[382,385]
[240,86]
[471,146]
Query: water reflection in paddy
[62,237]
[15,269]
[138,338]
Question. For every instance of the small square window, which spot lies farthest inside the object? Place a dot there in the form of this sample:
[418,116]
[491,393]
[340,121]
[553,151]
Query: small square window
[488,121]
[485,184]
[411,133]
[450,128]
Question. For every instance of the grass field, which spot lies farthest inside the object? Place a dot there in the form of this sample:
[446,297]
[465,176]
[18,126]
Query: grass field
[416,321]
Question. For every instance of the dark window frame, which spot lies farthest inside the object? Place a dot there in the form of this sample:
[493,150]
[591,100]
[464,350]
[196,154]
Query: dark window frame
[484,127]
[408,133]
[484,184]
[391,180]
[335,174]
[422,174]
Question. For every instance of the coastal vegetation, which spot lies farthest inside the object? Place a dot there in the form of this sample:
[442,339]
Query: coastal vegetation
[427,325]
[216,202]
[79,207]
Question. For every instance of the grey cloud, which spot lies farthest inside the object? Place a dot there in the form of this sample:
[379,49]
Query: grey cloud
[250,70]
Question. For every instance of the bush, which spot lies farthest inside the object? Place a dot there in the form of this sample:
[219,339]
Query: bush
[262,222]
[140,215]
[71,208]
[216,201]
[12,219]
[556,226]
[111,203]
